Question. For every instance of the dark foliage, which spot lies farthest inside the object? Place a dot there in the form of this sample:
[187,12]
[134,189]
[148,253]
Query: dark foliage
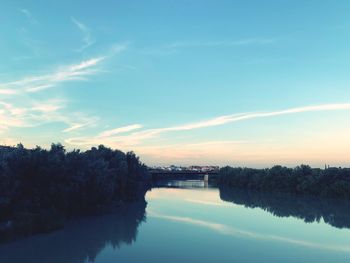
[40,188]
[331,182]
[308,208]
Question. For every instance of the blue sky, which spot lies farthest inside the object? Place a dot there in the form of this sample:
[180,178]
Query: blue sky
[250,83]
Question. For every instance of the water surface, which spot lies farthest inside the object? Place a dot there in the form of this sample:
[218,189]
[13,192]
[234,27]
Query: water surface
[191,222]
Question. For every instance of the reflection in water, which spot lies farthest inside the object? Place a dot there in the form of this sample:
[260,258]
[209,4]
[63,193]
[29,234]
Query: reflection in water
[227,227]
[235,232]
[80,241]
[333,212]
[188,184]
[187,222]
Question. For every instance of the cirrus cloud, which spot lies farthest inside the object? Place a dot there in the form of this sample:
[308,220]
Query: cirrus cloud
[136,138]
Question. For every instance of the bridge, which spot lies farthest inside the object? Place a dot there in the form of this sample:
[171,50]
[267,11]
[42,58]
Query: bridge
[182,175]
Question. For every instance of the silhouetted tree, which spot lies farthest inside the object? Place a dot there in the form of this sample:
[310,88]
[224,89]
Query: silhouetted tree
[40,188]
[331,182]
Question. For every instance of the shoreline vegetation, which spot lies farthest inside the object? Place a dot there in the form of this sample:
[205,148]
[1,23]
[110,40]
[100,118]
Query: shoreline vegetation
[331,182]
[40,189]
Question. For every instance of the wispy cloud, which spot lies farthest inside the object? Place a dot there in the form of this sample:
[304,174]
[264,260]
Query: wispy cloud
[4,91]
[29,15]
[135,138]
[107,137]
[17,110]
[221,120]
[78,121]
[76,126]
[222,43]
[70,72]
[36,83]
[175,46]
[86,32]
[38,113]
[119,130]
[30,116]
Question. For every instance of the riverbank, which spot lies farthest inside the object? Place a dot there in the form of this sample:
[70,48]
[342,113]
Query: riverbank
[40,189]
[329,182]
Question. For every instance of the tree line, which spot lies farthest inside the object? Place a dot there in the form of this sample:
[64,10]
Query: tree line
[329,182]
[40,188]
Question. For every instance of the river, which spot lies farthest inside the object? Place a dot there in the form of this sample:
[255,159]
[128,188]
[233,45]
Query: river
[193,222]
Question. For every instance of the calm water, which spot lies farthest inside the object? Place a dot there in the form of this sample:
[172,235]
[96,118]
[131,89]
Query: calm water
[189,222]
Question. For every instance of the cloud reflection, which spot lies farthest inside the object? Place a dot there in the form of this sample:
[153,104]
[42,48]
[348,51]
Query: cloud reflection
[230,231]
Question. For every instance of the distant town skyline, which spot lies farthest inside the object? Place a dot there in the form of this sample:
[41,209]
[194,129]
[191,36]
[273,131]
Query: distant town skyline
[246,83]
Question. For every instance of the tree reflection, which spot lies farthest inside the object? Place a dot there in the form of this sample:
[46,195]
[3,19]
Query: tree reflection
[80,241]
[310,209]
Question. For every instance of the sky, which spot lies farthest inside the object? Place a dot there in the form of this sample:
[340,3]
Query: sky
[244,83]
